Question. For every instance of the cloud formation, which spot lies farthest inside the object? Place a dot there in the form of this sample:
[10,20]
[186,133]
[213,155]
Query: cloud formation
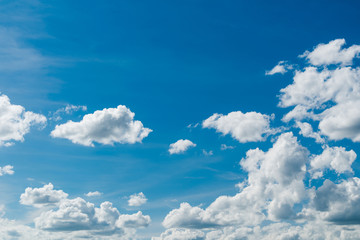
[327,95]
[181,146]
[274,186]
[244,127]
[282,67]
[335,158]
[44,196]
[6,170]
[137,199]
[107,126]
[77,217]
[278,199]
[93,194]
[332,53]
[15,122]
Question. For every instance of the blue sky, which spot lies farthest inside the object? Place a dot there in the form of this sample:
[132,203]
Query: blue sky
[96,96]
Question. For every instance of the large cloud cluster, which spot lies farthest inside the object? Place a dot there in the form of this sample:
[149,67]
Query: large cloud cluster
[78,217]
[328,91]
[278,200]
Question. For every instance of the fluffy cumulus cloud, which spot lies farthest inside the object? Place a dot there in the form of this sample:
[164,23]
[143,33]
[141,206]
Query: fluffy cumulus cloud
[44,196]
[244,127]
[137,199]
[6,170]
[93,194]
[181,146]
[107,126]
[338,203]
[274,186]
[307,131]
[332,53]
[330,96]
[76,218]
[275,192]
[15,122]
[335,158]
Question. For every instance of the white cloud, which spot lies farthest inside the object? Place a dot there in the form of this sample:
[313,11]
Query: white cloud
[68,109]
[307,131]
[93,194]
[339,203]
[136,220]
[107,126]
[137,199]
[78,215]
[281,67]
[80,218]
[44,196]
[181,146]
[336,158]
[207,153]
[274,186]
[332,53]
[342,121]
[6,170]
[181,234]
[273,202]
[15,122]
[244,127]
[225,147]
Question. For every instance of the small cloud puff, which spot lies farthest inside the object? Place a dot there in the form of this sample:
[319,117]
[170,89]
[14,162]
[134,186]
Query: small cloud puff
[208,153]
[44,196]
[137,199]
[181,146]
[281,67]
[93,194]
[6,170]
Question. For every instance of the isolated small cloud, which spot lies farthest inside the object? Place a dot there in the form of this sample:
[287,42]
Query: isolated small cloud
[181,146]
[332,53]
[339,203]
[93,194]
[107,126]
[6,170]
[44,196]
[208,153]
[282,67]
[137,199]
[244,127]
[225,147]
[15,122]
